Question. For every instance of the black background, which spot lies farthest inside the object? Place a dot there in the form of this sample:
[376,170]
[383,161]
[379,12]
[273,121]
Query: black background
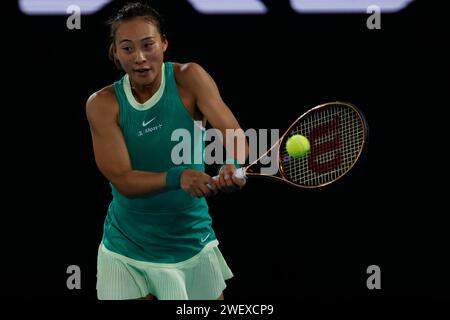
[281,243]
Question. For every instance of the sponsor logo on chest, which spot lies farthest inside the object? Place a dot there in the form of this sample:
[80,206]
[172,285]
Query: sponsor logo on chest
[149,126]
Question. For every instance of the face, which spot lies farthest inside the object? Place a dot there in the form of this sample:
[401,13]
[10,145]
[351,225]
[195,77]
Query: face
[140,48]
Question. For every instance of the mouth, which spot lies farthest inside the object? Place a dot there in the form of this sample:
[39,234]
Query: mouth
[142,71]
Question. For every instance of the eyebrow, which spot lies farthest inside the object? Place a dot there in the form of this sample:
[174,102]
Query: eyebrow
[146,38]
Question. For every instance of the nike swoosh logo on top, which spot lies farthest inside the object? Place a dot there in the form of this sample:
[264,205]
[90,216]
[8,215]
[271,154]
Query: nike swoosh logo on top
[144,124]
[204,239]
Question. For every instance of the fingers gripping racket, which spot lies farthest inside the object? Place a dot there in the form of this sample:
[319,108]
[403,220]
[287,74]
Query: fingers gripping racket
[338,136]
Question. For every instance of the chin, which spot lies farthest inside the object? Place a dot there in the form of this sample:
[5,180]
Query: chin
[143,81]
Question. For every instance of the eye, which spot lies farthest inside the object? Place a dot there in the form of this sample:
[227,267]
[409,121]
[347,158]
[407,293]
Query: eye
[148,45]
[127,49]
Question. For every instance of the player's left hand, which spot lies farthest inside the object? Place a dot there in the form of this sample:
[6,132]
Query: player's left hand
[227,181]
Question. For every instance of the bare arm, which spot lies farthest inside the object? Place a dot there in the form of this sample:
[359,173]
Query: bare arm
[111,154]
[217,113]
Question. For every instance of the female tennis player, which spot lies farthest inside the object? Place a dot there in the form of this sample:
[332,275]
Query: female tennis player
[158,242]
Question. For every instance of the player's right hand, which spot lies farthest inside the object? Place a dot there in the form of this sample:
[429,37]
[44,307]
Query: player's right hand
[196,183]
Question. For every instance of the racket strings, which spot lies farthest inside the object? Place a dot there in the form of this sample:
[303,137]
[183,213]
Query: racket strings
[340,146]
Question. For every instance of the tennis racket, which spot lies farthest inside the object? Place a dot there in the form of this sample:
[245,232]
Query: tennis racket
[338,136]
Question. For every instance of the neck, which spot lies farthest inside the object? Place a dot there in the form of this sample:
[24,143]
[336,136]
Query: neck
[144,92]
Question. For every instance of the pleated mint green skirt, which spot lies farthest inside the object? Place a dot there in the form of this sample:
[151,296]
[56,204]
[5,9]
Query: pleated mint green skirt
[201,277]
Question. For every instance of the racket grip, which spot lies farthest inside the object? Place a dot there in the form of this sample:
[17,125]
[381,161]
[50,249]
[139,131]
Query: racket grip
[239,173]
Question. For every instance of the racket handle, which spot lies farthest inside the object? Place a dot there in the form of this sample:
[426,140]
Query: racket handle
[239,173]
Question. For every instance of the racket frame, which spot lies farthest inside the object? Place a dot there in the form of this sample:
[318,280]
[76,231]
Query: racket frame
[245,172]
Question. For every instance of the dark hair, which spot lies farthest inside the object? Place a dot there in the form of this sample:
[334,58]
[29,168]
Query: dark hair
[128,12]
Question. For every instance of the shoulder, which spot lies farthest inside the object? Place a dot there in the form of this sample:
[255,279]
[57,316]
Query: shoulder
[102,102]
[193,77]
[102,96]
[189,73]
[187,69]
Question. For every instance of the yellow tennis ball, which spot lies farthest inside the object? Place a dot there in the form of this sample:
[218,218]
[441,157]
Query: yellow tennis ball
[297,146]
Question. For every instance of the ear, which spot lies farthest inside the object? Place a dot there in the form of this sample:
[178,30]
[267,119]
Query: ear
[165,43]
[113,56]
[112,52]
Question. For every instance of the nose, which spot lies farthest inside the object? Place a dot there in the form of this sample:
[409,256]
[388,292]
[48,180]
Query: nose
[140,57]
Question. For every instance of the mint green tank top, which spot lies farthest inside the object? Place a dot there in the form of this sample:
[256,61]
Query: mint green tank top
[169,226]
